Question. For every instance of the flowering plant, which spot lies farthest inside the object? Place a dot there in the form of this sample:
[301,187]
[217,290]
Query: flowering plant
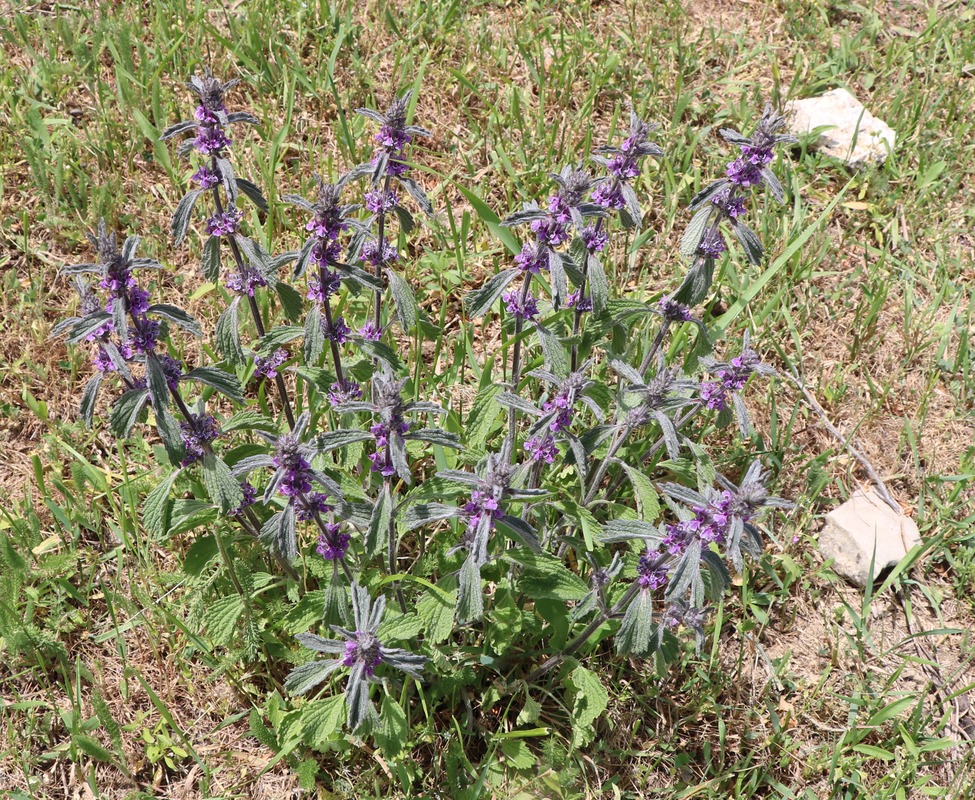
[576,501]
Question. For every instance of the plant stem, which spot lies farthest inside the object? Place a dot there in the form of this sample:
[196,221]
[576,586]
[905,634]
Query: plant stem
[380,255]
[252,302]
[657,342]
[509,444]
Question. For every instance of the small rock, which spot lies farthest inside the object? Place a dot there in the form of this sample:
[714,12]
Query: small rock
[866,529]
[854,136]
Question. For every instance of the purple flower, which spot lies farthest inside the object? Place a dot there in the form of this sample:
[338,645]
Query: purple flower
[211,139]
[580,304]
[296,472]
[672,311]
[714,396]
[533,258]
[609,195]
[172,369]
[623,166]
[197,432]
[731,205]
[366,650]
[325,252]
[246,283]
[224,224]
[310,505]
[481,505]
[523,310]
[379,202]
[371,332]
[344,392]
[332,546]
[744,173]
[103,362]
[594,238]
[268,367]
[549,231]
[381,460]
[250,497]
[338,331]
[712,244]
[320,290]
[144,334]
[371,255]
[205,177]
[542,448]
[650,574]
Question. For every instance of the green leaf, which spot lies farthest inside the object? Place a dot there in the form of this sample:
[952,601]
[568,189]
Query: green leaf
[189,514]
[633,637]
[248,421]
[547,577]
[591,699]
[483,414]
[554,351]
[379,522]
[252,192]
[404,626]
[479,301]
[210,262]
[407,311]
[201,553]
[491,220]
[470,598]
[598,285]
[392,733]
[314,337]
[517,754]
[225,383]
[221,618]
[88,398]
[177,316]
[181,217]
[291,301]
[647,500]
[228,335]
[279,336]
[320,719]
[436,609]
[223,488]
[126,411]
[92,748]
[380,351]
[157,506]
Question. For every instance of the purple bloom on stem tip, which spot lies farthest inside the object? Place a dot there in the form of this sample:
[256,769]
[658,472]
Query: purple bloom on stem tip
[103,362]
[623,166]
[729,203]
[332,546]
[549,231]
[515,307]
[743,172]
[246,283]
[533,258]
[172,369]
[542,448]
[381,460]
[371,332]
[481,505]
[205,178]
[211,139]
[364,649]
[344,392]
[224,224]
[268,367]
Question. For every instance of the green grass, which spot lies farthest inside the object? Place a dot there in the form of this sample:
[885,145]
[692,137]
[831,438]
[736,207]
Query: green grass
[809,690]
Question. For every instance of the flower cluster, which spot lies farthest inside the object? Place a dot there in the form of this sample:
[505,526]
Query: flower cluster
[651,574]
[268,367]
[309,506]
[333,543]
[245,281]
[345,391]
[224,223]
[526,308]
[296,470]
[731,377]
[542,448]
[382,459]
[210,115]
[198,432]
[623,164]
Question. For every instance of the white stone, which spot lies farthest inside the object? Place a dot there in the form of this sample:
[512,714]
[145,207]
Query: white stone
[866,529]
[854,135]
